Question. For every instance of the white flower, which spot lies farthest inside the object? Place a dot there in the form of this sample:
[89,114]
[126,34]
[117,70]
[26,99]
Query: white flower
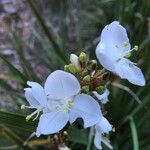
[36,97]
[102,97]
[111,51]
[103,126]
[66,104]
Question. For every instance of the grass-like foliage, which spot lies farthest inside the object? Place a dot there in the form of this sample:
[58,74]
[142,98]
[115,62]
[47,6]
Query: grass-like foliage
[79,23]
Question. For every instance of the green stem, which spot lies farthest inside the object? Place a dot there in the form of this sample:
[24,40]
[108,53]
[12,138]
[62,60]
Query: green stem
[90,138]
[134,134]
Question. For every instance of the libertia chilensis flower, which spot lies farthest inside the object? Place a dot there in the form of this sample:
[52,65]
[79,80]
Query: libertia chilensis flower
[82,88]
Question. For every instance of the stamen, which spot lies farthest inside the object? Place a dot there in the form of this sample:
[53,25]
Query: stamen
[29,107]
[127,54]
[37,112]
[70,104]
[125,44]
[136,47]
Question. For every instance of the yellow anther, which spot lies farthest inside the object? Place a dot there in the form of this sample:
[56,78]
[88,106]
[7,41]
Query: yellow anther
[69,104]
[28,117]
[128,55]
[125,44]
[113,130]
[65,110]
[23,106]
[136,47]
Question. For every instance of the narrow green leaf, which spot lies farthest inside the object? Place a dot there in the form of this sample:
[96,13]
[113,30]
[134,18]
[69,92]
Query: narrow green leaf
[17,74]
[48,31]
[77,135]
[17,121]
[25,64]
[90,138]
[134,134]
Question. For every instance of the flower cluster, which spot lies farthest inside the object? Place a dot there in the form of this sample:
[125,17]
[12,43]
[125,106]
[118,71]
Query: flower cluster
[81,89]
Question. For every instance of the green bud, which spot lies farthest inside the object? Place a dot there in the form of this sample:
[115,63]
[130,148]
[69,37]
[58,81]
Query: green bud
[86,79]
[100,89]
[91,65]
[66,68]
[85,88]
[72,69]
[82,57]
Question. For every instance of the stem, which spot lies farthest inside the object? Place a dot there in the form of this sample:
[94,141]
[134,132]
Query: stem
[134,134]
[90,138]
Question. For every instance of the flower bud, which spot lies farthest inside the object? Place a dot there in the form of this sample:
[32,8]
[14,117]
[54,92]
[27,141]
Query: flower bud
[100,89]
[82,57]
[91,65]
[86,79]
[66,68]
[74,59]
[72,68]
[85,88]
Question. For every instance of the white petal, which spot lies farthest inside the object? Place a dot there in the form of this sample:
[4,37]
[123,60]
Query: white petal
[127,70]
[51,123]
[115,36]
[38,93]
[106,142]
[87,108]
[103,125]
[102,97]
[73,116]
[61,85]
[111,46]
[32,101]
[106,59]
[74,59]
[97,140]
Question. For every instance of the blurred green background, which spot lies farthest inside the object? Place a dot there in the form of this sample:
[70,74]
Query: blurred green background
[37,37]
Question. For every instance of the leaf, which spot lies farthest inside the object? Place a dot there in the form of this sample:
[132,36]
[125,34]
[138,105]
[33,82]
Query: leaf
[134,134]
[17,122]
[48,31]
[77,136]
[17,74]
[25,64]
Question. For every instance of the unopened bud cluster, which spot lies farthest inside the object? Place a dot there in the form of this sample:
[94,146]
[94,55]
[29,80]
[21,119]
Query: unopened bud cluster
[87,72]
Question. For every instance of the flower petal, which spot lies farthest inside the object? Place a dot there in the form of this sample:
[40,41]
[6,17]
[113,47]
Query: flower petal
[116,37]
[61,85]
[103,125]
[29,97]
[127,70]
[102,97]
[38,92]
[113,45]
[106,59]
[97,140]
[52,122]
[87,108]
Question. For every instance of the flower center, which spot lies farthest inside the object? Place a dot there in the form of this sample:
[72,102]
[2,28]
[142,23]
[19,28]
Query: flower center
[127,54]
[64,105]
